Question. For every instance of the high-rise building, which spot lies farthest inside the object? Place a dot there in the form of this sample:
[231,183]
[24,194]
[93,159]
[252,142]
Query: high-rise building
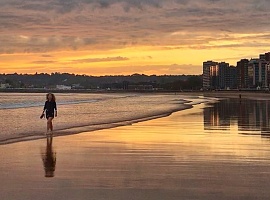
[223,73]
[231,77]
[227,78]
[214,80]
[243,73]
[259,68]
[254,73]
[267,57]
[268,73]
[219,75]
[209,74]
[262,56]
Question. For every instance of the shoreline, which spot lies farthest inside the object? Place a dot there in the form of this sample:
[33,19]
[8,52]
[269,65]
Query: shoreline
[226,93]
[43,90]
[97,127]
[244,95]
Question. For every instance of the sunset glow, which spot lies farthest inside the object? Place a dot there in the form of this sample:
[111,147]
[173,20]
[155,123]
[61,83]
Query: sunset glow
[108,37]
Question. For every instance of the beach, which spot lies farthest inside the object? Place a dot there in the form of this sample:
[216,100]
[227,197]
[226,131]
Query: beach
[255,95]
[217,150]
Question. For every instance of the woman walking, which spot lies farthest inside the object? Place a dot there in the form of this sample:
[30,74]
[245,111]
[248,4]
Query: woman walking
[50,109]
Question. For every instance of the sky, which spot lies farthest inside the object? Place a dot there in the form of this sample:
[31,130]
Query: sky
[115,37]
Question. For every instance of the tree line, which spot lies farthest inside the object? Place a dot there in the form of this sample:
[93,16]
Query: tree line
[44,80]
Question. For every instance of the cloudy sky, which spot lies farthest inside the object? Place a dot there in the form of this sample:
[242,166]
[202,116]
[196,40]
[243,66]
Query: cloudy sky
[101,37]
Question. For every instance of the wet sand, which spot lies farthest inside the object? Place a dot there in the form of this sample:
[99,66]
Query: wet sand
[192,154]
[257,95]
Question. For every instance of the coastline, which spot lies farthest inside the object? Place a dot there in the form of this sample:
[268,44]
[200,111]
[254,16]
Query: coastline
[258,95]
[183,106]
[90,128]
[217,94]
[161,91]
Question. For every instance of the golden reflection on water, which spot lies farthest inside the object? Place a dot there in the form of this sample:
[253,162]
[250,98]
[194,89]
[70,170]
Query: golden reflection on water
[183,151]
[251,117]
[219,129]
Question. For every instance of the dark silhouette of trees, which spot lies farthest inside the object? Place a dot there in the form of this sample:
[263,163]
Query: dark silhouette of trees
[44,80]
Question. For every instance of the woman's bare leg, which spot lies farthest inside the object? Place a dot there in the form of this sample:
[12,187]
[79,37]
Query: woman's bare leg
[49,124]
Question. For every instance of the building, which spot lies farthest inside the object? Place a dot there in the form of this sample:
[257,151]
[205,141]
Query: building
[210,72]
[227,78]
[63,87]
[219,75]
[265,57]
[231,78]
[242,73]
[262,56]
[140,87]
[223,75]
[248,74]
[268,73]
[76,86]
[258,71]
[214,81]
[4,85]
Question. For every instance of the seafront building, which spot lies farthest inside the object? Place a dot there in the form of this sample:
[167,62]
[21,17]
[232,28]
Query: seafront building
[267,57]
[248,74]
[218,75]
[258,75]
[209,74]
[242,73]
[222,75]
[231,77]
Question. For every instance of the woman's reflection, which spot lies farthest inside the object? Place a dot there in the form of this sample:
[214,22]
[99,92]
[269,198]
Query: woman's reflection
[49,158]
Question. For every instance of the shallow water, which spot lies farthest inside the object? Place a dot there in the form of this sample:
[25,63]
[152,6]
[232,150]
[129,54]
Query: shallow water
[85,112]
[213,151]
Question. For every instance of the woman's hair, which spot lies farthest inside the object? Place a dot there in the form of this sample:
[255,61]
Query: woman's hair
[53,96]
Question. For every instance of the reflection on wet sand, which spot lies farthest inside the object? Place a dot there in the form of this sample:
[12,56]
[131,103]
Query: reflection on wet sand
[49,158]
[250,116]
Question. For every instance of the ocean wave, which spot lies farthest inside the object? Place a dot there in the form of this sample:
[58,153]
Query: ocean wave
[26,103]
[35,104]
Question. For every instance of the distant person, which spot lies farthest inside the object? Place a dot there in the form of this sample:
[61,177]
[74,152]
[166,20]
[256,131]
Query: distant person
[49,158]
[50,110]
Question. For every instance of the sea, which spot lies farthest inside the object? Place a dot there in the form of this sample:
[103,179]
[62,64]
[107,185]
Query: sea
[20,112]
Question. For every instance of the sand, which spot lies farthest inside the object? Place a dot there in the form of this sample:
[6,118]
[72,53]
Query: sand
[168,158]
[258,95]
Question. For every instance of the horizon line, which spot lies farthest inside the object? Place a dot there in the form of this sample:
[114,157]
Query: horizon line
[62,73]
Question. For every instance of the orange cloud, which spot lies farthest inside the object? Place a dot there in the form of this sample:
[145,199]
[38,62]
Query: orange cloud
[98,36]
